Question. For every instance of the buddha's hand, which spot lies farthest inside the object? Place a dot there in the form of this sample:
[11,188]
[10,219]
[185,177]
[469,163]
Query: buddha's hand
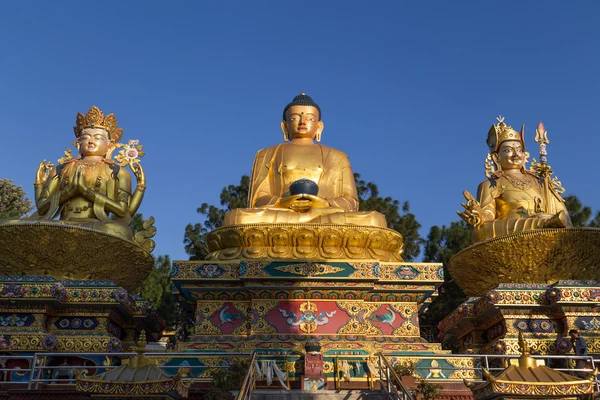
[302,202]
[472,213]
[42,172]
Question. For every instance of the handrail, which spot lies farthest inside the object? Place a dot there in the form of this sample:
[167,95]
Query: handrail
[392,381]
[248,382]
[37,367]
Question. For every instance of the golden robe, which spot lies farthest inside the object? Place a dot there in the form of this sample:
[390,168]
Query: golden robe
[515,206]
[276,168]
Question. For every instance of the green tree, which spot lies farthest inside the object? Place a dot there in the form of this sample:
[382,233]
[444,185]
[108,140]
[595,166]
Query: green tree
[232,196]
[580,214]
[157,288]
[441,245]
[235,196]
[404,222]
[13,200]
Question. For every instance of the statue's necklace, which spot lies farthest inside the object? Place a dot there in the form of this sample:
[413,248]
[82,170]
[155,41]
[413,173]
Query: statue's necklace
[524,182]
[88,166]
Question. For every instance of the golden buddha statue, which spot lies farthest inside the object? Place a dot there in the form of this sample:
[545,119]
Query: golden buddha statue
[513,199]
[89,189]
[303,163]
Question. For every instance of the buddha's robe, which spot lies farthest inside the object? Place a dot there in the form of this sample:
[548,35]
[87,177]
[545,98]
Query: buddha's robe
[277,167]
[516,206]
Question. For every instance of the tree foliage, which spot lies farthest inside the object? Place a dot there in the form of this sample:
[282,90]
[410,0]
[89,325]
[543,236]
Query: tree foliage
[441,245]
[580,214]
[232,196]
[398,216]
[158,290]
[13,200]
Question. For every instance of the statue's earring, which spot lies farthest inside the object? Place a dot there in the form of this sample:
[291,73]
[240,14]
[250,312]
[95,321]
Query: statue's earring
[285,137]
[318,137]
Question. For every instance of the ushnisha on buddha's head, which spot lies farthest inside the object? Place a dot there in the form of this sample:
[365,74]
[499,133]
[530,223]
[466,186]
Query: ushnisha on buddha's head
[302,120]
[96,133]
[507,147]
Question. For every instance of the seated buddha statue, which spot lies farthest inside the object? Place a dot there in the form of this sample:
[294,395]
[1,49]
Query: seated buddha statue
[512,199]
[90,190]
[272,198]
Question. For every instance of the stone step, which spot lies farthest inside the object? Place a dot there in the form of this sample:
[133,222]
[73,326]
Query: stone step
[318,395]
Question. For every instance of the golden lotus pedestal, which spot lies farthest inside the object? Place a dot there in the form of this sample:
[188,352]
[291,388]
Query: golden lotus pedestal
[71,252]
[538,256]
[65,288]
[304,242]
[540,283]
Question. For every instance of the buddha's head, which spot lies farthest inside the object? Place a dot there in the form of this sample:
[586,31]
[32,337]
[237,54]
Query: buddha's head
[507,147]
[96,134]
[302,119]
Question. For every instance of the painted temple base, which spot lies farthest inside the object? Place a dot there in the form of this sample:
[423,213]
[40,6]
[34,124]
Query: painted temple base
[304,242]
[538,256]
[71,252]
[352,307]
[543,313]
[42,314]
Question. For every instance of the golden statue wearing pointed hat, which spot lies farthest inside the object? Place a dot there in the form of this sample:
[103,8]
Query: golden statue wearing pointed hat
[512,199]
[283,177]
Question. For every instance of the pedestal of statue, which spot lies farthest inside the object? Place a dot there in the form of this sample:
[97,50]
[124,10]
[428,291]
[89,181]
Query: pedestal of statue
[543,313]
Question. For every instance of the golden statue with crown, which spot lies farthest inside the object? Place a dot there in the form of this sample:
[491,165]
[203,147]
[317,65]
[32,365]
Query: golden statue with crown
[84,203]
[512,199]
[521,230]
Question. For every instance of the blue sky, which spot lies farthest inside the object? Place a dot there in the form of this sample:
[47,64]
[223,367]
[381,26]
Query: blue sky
[408,90]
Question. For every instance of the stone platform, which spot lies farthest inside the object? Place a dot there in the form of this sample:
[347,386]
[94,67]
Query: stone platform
[353,307]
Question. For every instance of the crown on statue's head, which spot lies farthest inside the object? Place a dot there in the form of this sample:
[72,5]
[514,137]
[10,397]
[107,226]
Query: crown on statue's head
[502,133]
[96,119]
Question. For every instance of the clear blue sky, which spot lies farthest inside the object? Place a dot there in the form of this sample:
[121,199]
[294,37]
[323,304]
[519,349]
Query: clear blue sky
[408,90]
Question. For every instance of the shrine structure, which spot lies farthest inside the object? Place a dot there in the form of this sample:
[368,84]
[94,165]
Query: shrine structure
[67,270]
[536,275]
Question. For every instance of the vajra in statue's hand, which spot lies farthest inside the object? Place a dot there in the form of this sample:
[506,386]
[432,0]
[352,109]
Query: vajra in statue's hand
[472,213]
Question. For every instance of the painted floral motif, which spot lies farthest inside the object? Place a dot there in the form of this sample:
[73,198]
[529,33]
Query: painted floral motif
[406,272]
[14,291]
[210,270]
[120,295]
[243,268]
[114,345]
[15,320]
[58,290]
[309,269]
[49,342]
[308,320]
[552,295]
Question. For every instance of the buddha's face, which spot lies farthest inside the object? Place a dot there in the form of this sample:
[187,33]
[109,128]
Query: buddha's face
[511,155]
[94,142]
[302,122]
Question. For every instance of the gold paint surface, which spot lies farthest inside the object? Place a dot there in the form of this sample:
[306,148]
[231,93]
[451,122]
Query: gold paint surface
[304,241]
[71,252]
[538,256]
